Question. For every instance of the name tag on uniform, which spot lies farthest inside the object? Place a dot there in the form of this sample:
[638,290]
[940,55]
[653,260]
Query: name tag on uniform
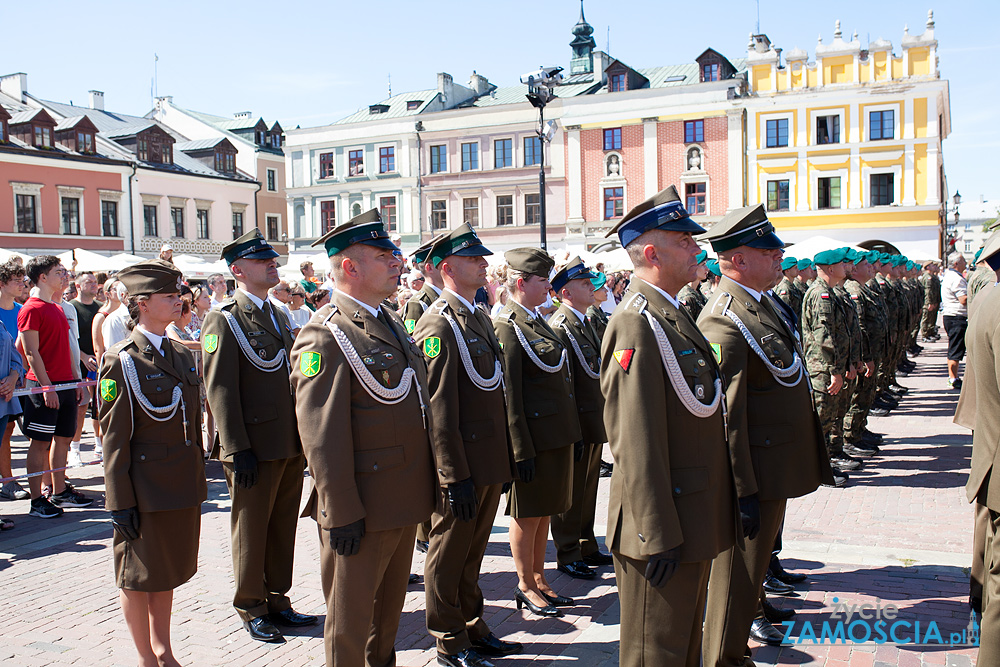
[154,376]
[255,333]
[473,340]
[537,340]
[684,353]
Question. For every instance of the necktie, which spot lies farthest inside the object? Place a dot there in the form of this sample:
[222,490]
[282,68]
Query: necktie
[381,317]
[266,309]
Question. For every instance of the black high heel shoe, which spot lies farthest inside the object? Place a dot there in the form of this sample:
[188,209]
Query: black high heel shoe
[522,601]
[559,600]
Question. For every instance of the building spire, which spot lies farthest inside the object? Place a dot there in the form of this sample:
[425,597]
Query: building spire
[583,46]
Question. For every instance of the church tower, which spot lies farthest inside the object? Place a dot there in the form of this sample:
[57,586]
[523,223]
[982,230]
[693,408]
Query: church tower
[583,45]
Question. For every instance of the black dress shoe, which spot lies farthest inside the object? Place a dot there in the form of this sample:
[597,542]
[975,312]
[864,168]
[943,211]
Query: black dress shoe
[422,546]
[775,615]
[263,630]
[839,480]
[869,447]
[559,600]
[844,463]
[878,412]
[606,469]
[854,450]
[765,633]
[522,600]
[466,658]
[292,619]
[779,573]
[493,646]
[598,559]
[414,579]
[877,437]
[577,569]
[772,585]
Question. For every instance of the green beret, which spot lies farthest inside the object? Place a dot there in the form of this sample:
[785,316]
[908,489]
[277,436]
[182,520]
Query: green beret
[713,267]
[530,260]
[909,265]
[701,257]
[788,263]
[154,276]
[805,264]
[828,257]
[599,281]
[975,258]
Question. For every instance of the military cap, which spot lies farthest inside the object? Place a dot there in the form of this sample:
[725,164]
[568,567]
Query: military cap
[462,242]
[251,245]
[599,280]
[663,210]
[701,257]
[859,257]
[804,264]
[828,257]
[990,253]
[574,270]
[366,228]
[530,260]
[909,265]
[153,276]
[713,267]
[747,226]
[789,263]
[420,254]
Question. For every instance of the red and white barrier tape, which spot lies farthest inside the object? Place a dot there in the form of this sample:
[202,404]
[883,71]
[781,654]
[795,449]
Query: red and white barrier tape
[4,480]
[54,387]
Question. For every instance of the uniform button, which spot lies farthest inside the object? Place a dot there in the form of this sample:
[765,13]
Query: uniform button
[322,512]
[375,466]
[536,414]
[159,388]
[766,441]
[567,379]
[677,490]
[142,457]
[473,437]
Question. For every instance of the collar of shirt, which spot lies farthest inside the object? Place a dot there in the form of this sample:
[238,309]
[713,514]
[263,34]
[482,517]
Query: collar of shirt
[438,291]
[461,298]
[370,309]
[752,292]
[531,315]
[671,299]
[257,301]
[157,341]
[580,316]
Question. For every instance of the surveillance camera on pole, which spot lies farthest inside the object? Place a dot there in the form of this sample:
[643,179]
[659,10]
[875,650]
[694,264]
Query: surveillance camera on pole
[540,84]
[543,76]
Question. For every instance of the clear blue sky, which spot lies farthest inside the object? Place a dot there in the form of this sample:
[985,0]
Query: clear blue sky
[310,63]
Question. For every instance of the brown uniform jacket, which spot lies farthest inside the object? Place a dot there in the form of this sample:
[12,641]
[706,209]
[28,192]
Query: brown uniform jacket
[541,408]
[589,399]
[418,304]
[368,460]
[965,411]
[983,342]
[672,484]
[469,429]
[253,409]
[775,438]
[148,464]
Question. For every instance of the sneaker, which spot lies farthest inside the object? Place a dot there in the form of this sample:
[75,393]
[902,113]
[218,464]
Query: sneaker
[47,491]
[73,460]
[955,383]
[99,452]
[606,469]
[13,491]
[43,509]
[71,498]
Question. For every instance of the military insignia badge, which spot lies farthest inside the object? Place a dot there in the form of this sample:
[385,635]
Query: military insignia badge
[717,351]
[410,325]
[309,363]
[211,343]
[699,391]
[109,390]
[385,378]
[432,347]
[624,358]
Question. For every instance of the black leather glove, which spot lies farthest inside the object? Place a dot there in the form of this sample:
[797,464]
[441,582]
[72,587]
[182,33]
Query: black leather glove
[346,540]
[578,451]
[661,567]
[505,488]
[750,516]
[526,470]
[126,523]
[462,499]
[245,468]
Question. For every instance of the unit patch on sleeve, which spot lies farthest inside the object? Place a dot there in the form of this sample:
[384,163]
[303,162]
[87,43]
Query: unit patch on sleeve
[432,346]
[211,343]
[624,357]
[109,390]
[309,363]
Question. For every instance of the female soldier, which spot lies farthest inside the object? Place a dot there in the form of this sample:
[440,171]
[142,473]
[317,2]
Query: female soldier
[543,422]
[153,468]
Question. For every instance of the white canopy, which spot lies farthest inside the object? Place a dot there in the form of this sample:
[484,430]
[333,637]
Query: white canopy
[88,260]
[6,255]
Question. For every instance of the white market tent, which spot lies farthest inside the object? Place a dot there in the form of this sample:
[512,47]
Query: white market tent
[87,260]
[6,255]
[196,267]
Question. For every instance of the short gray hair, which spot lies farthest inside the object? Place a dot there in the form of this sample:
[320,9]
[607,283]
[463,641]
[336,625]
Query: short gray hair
[954,257]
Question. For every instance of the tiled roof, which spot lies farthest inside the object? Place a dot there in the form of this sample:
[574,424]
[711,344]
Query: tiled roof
[397,107]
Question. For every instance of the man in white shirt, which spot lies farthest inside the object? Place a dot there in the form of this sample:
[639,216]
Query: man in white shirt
[217,283]
[955,314]
[115,326]
[280,296]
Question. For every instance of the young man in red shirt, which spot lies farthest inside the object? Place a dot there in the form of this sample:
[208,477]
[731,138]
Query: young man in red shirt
[50,416]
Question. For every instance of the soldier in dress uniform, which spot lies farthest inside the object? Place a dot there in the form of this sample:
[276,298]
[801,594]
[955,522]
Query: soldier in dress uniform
[595,313]
[672,507]
[246,344]
[361,397]
[775,439]
[983,343]
[472,449]
[412,312]
[154,471]
[543,422]
[577,549]
[690,295]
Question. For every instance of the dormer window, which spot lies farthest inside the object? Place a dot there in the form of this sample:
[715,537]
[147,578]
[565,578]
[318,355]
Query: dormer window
[413,105]
[155,147]
[275,141]
[261,137]
[225,162]
[4,132]
[710,72]
[84,142]
[42,136]
[617,83]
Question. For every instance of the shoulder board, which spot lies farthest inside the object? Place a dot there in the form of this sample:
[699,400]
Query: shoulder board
[505,315]
[637,303]
[227,304]
[120,345]
[557,319]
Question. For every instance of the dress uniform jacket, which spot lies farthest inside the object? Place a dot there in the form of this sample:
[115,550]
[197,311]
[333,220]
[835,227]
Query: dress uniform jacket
[370,458]
[599,320]
[541,410]
[154,466]
[470,440]
[418,305]
[254,410]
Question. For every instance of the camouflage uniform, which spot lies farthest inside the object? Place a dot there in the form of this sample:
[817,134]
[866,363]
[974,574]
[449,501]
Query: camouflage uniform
[790,295]
[932,296]
[980,278]
[887,369]
[856,338]
[827,353]
[693,301]
[871,317]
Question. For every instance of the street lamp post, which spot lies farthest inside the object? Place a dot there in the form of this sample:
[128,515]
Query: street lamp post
[951,230]
[540,84]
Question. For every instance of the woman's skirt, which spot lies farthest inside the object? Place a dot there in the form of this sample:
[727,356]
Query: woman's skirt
[164,556]
[550,492]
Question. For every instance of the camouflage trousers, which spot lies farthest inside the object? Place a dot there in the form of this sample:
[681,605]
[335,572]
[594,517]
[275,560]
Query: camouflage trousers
[861,402]
[928,323]
[831,411]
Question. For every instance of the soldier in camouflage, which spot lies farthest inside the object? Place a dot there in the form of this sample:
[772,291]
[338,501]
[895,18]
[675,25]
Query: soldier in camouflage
[871,318]
[691,296]
[980,278]
[828,352]
[932,302]
[785,290]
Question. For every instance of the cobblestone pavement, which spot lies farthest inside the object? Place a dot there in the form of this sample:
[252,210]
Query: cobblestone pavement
[900,533]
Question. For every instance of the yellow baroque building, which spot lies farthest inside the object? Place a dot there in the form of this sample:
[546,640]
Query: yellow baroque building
[848,145]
